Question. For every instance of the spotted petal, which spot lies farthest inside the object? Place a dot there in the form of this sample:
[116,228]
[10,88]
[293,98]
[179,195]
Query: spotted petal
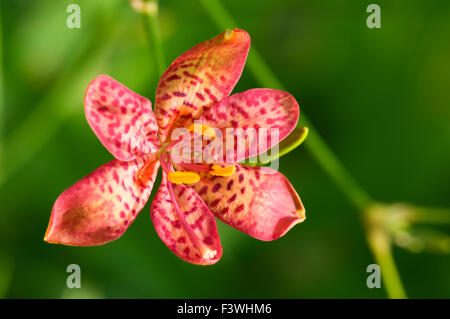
[266,117]
[255,200]
[199,78]
[121,119]
[185,224]
[101,206]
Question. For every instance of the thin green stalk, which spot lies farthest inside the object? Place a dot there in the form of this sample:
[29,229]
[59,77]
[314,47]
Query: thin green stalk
[151,22]
[323,155]
[381,247]
[426,215]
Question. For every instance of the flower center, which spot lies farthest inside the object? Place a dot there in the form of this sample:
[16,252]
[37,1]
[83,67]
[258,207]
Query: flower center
[191,175]
[189,172]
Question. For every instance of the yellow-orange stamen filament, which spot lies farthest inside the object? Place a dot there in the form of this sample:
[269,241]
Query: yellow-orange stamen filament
[217,170]
[183,177]
[204,129]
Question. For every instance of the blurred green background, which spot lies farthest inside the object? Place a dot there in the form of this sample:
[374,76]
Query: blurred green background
[379,97]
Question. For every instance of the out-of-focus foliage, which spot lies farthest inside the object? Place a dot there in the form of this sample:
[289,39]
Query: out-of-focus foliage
[380,97]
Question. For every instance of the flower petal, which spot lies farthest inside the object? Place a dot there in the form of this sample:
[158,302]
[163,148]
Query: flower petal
[101,206]
[121,119]
[186,226]
[200,77]
[255,200]
[263,110]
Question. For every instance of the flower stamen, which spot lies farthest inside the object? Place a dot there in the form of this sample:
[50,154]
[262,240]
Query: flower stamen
[217,170]
[183,177]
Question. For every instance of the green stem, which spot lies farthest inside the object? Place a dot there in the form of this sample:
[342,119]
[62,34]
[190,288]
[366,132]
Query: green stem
[381,247]
[152,28]
[427,215]
[323,155]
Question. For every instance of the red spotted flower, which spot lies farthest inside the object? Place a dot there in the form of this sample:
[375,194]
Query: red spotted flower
[258,201]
